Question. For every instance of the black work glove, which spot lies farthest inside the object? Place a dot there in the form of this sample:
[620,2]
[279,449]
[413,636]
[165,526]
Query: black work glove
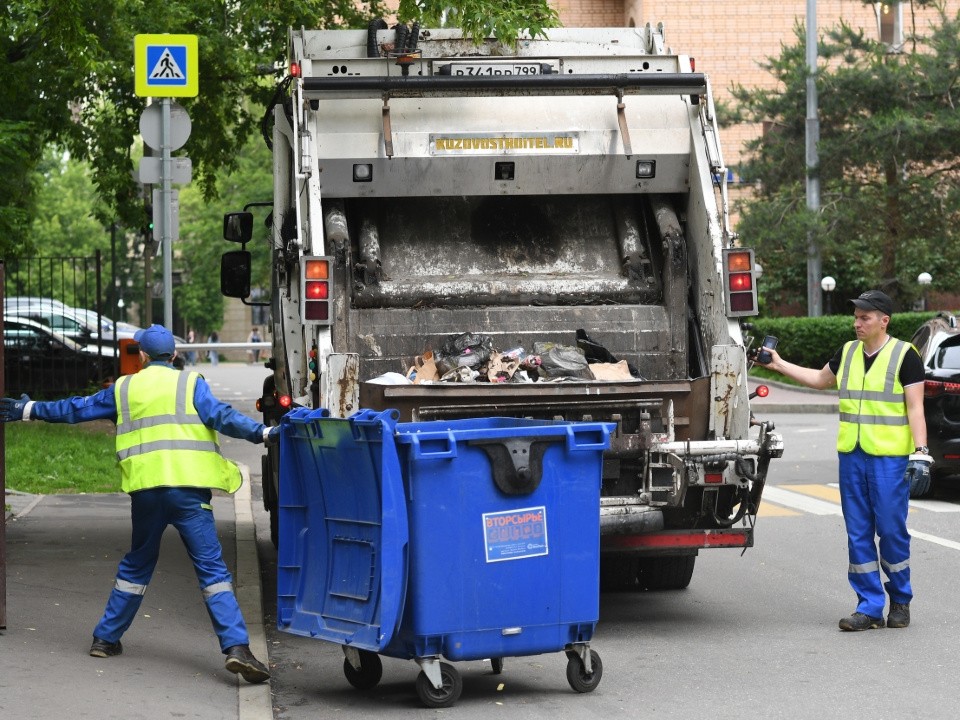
[11,410]
[918,474]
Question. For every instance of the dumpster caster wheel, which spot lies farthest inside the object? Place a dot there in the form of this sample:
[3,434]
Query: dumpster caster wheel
[369,674]
[578,678]
[445,696]
[496,664]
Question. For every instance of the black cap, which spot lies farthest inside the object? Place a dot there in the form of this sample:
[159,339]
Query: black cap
[875,300]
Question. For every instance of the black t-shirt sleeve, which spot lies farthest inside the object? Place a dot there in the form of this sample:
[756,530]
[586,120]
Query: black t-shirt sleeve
[835,362]
[911,369]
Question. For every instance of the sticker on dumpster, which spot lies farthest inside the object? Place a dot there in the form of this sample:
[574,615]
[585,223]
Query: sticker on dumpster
[515,534]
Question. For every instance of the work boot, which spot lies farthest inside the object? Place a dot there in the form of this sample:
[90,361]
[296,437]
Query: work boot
[899,616]
[859,621]
[242,662]
[104,649]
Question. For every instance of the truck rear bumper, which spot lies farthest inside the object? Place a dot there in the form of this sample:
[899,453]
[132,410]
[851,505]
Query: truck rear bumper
[666,541]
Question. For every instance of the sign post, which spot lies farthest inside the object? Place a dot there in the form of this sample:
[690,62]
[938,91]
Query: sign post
[166,66]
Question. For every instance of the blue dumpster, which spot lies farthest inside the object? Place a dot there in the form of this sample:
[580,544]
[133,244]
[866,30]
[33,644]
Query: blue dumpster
[460,539]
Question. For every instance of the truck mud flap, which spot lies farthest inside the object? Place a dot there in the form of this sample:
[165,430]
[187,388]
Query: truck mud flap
[680,539]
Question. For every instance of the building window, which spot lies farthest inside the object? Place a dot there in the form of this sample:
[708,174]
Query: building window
[890,24]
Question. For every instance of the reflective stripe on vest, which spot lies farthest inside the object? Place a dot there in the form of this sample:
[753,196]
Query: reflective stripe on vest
[161,440]
[873,409]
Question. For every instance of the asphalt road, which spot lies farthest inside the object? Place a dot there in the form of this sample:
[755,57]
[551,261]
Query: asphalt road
[754,635]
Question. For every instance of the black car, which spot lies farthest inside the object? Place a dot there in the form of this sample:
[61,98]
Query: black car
[46,364]
[938,341]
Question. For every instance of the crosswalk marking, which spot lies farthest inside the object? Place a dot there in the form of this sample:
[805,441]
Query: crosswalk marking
[937,506]
[771,510]
[934,539]
[824,492]
[825,500]
[799,501]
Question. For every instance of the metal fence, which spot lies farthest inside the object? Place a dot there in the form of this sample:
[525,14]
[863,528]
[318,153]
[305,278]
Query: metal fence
[56,339]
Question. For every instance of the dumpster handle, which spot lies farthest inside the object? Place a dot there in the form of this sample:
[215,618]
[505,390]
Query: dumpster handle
[575,444]
[417,450]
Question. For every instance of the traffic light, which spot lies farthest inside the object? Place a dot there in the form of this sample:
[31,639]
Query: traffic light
[740,283]
[316,296]
[147,230]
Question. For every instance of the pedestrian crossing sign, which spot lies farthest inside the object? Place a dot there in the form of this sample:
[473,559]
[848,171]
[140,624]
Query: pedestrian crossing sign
[166,65]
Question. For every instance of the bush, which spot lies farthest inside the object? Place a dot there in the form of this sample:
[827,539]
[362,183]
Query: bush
[813,341]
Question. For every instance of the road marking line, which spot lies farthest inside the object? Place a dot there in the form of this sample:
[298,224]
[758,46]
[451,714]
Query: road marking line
[800,502]
[824,492]
[768,509]
[935,540]
[938,506]
[812,505]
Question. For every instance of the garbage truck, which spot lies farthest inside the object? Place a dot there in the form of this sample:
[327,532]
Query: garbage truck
[565,191]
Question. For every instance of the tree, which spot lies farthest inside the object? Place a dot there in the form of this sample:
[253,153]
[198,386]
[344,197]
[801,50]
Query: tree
[889,168]
[69,79]
[482,18]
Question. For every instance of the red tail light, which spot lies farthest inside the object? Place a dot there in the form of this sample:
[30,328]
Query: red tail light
[713,478]
[936,388]
[762,391]
[285,401]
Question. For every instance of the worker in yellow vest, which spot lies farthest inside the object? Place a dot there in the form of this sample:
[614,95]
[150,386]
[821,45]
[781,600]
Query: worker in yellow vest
[170,461]
[882,448]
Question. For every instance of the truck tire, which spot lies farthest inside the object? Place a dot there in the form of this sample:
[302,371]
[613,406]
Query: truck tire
[618,573]
[270,503]
[666,573]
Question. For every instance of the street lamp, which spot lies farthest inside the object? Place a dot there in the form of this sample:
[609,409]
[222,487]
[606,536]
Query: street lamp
[828,284]
[924,279]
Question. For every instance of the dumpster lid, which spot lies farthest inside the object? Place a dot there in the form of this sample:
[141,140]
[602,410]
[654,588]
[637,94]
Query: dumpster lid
[343,535]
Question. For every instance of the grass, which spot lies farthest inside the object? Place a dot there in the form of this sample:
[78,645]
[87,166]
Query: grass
[759,373]
[54,459]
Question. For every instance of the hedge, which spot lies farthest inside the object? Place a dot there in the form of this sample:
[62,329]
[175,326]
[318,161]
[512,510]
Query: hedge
[812,341]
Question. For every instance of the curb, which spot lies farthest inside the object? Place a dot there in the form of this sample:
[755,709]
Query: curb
[254,702]
[798,408]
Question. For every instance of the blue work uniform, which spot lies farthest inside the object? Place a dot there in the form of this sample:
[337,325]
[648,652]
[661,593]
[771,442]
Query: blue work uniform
[185,506]
[873,492]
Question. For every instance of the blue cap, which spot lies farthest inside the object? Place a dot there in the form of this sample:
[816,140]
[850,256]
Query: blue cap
[156,341]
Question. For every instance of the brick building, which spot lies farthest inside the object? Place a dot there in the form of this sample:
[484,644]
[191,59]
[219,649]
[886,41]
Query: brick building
[730,39]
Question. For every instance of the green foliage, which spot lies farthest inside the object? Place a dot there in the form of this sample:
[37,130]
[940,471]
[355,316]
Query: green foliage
[69,79]
[198,299]
[76,458]
[889,168]
[481,19]
[813,341]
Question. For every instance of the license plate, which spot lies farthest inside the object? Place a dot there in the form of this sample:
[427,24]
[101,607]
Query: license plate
[491,69]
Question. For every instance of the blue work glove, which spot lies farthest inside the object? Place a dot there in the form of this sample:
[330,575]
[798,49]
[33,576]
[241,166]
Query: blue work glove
[918,474]
[271,436]
[11,410]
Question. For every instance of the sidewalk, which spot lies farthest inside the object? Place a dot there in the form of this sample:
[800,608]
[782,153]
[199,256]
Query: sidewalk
[784,398]
[62,555]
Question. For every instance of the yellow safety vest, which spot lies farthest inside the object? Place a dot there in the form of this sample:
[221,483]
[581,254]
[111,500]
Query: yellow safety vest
[873,408]
[161,440]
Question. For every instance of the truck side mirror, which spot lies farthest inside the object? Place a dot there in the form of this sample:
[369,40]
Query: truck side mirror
[238,227]
[235,273]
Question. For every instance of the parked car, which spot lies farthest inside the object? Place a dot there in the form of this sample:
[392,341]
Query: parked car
[76,323]
[44,363]
[938,341]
